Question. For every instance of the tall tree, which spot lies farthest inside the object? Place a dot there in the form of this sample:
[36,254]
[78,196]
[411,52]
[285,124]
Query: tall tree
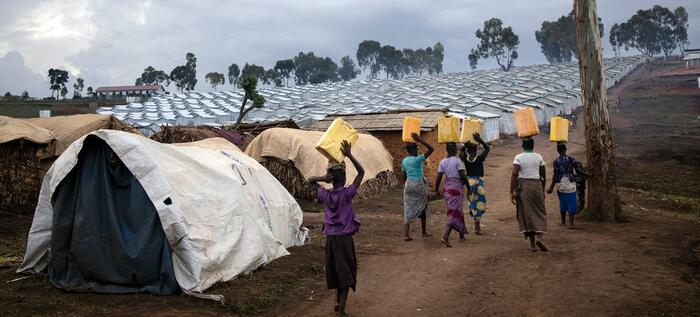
[273,77]
[78,88]
[603,197]
[249,84]
[422,62]
[254,70]
[558,38]
[233,74]
[368,56]
[390,60]
[89,91]
[285,68]
[437,58]
[57,79]
[614,39]
[498,42]
[347,70]
[25,95]
[185,76]
[652,31]
[681,28]
[310,69]
[215,79]
[151,76]
[473,58]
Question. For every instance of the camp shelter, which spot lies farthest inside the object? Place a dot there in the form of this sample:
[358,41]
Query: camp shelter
[291,156]
[22,148]
[70,128]
[388,128]
[121,213]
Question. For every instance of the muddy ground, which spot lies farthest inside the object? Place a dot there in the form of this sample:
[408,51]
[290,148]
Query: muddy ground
[647,266]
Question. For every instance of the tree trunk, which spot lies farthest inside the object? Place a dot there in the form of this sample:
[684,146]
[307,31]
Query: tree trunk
[603,197]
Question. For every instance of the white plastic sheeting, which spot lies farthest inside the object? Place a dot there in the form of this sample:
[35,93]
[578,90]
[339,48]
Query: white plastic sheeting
[228,215]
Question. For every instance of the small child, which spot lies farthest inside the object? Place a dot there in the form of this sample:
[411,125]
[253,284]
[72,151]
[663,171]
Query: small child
[339,225]
[581,177]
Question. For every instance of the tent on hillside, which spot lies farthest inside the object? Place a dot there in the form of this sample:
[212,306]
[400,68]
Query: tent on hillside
[120,213]
[291,156]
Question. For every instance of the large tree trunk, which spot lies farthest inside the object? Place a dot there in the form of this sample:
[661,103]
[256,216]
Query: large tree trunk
[603,197]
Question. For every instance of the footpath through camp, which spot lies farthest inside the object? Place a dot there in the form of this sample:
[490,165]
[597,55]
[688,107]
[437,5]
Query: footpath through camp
[649,265]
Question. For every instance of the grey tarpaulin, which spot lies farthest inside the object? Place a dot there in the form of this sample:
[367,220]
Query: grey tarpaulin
[106,234]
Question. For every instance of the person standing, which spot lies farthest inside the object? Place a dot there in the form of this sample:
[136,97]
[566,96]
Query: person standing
[527,185]
[455,179]
[474,164]
[565,181]
[339,226]
[415,191]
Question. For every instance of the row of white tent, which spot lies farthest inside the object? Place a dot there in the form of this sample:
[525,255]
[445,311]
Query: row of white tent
[487,94]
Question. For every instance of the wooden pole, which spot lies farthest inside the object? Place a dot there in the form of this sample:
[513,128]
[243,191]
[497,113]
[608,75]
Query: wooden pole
[603,197]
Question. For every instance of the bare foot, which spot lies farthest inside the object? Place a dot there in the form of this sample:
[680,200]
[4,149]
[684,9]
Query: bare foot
[425,234]
[447,244]
[407,239]
[531,248]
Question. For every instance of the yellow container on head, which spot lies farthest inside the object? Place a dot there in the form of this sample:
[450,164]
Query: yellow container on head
[448,130]
[558,129]
[329,144]
[410,125]
[469,127]
[526,122]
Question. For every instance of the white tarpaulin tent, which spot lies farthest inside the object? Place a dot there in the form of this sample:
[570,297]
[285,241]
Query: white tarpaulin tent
[223,214]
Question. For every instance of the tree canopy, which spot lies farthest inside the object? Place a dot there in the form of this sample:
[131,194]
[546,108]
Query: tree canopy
[285,68]
[368,55]
[655,31]
[78,88]
[397,63]
[347,70]
[185,76]
[310,69]
[151,76]
[558,38]
[254,70]
[57,80]
[496,41]
[215,79]
[233,74]
[249,84]
[273,77]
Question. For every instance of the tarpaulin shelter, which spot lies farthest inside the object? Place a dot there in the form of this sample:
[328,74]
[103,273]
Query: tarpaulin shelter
[291,156]
[121,213]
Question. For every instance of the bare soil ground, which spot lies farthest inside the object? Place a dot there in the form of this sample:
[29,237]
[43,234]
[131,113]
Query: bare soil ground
[649,266]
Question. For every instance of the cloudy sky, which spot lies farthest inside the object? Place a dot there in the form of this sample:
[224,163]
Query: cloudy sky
[111,42]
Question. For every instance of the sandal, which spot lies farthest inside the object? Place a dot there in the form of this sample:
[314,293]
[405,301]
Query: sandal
[447,244]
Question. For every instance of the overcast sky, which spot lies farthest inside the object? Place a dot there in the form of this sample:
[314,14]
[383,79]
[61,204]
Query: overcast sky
[111,42]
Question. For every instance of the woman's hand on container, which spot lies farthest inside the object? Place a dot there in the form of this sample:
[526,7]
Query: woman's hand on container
[345,148]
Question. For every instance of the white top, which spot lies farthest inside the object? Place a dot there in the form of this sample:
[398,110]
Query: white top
[529,165]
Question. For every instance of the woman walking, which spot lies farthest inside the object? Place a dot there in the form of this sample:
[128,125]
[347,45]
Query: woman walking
[455,179]
[474,164]
[415,191]
[339,225]
[527,184]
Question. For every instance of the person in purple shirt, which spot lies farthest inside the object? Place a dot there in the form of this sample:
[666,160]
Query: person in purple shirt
[339,225]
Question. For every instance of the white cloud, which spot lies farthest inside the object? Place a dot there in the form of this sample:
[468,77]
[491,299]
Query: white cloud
[17,77]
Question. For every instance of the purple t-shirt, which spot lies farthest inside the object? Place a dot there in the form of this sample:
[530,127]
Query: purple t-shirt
[338,217]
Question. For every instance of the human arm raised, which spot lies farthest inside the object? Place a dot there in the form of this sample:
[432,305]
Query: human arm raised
[416,137]
[487,148]
[347,151]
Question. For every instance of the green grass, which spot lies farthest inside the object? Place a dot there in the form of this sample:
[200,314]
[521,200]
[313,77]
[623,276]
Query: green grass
[30,108]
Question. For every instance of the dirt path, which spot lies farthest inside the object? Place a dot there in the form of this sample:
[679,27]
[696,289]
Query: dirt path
[602,269]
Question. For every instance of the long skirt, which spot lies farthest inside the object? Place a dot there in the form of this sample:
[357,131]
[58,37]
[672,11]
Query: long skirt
[531,212]
[415,200]
[454,198]
[341,262]
[477,200]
